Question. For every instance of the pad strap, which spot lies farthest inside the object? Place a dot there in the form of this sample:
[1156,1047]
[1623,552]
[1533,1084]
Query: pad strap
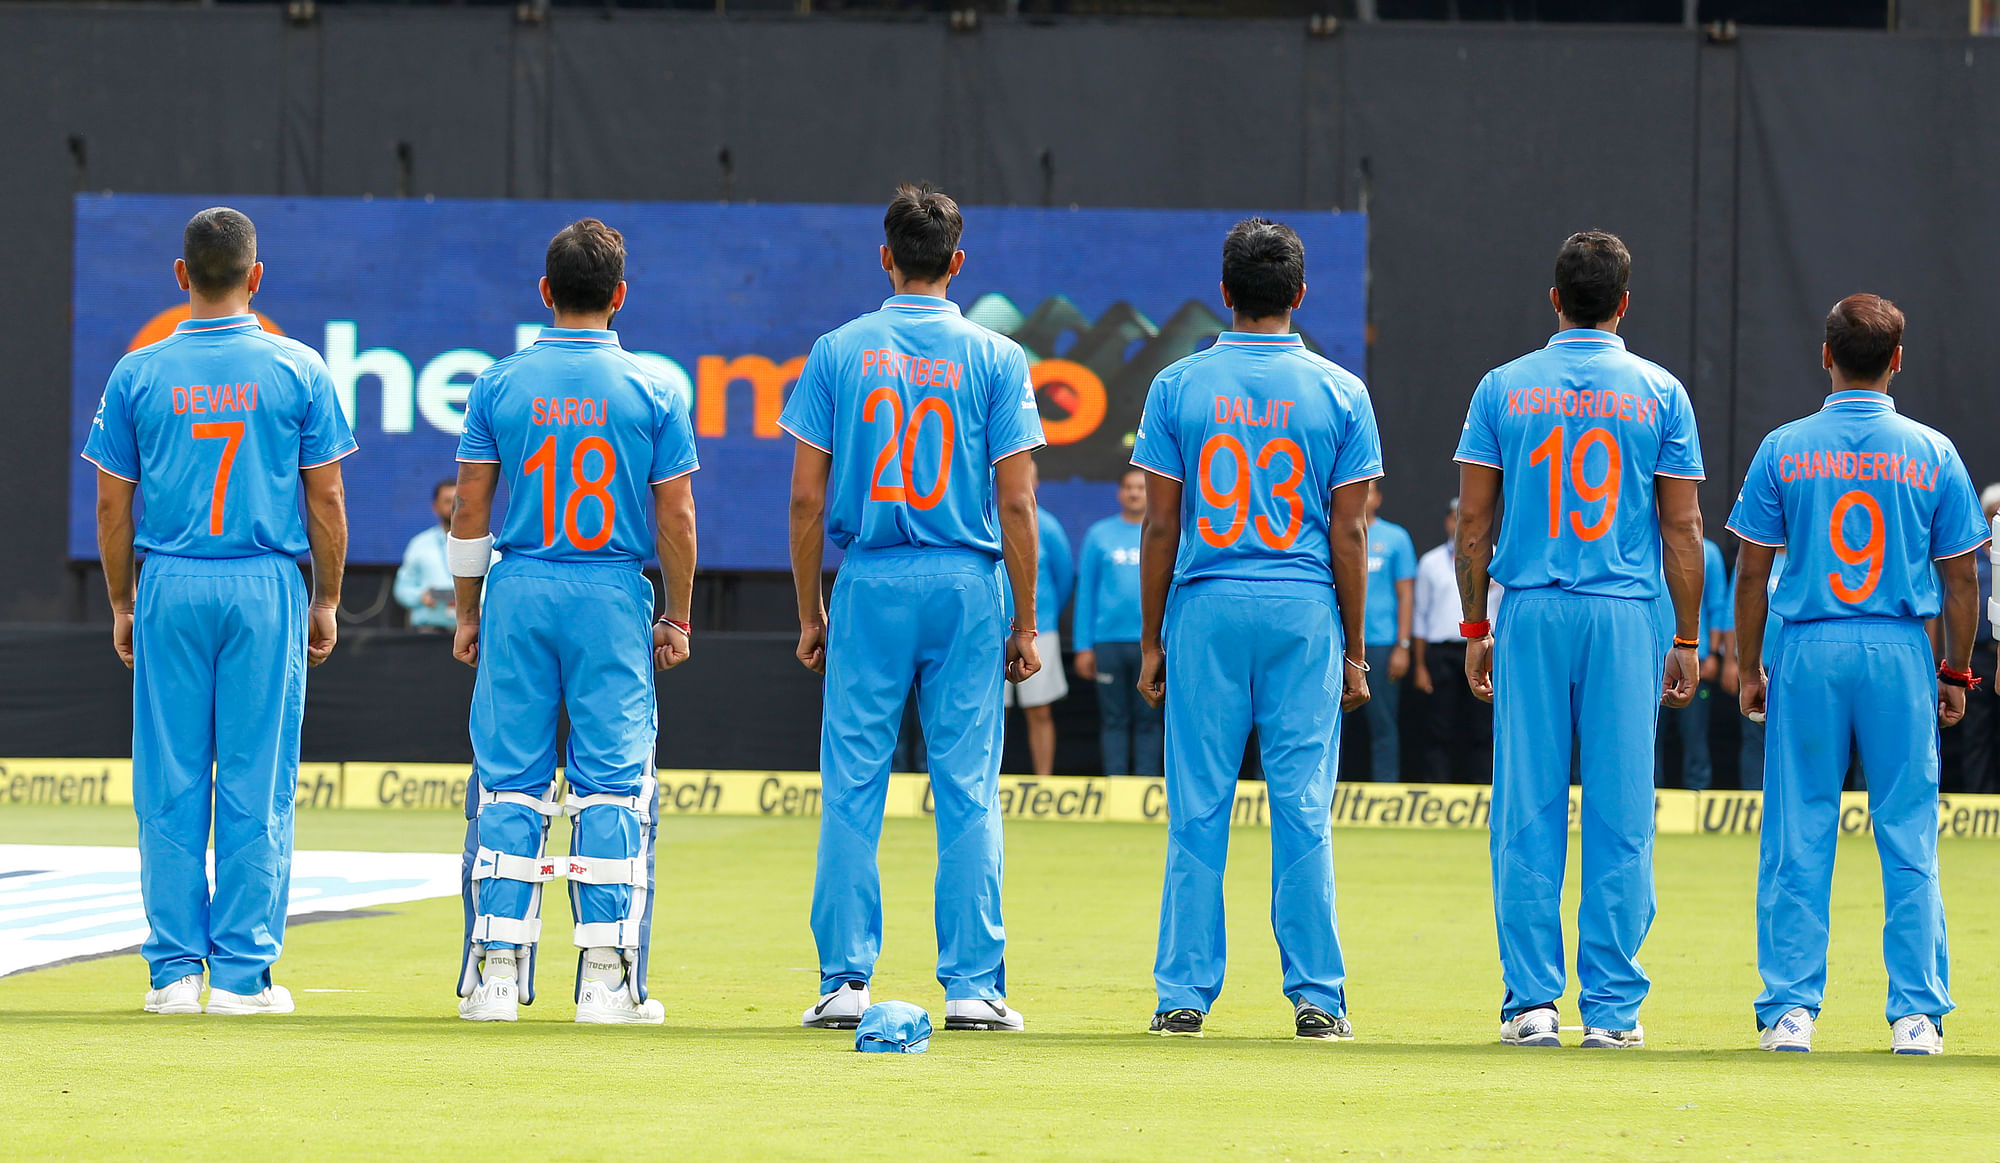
[506,930]
[468,556]
[574,804]
[608,934]
[600,870]
[521,799]
[493,865]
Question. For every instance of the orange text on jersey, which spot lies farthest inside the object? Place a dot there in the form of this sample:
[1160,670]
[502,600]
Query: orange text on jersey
[1567,402]
[569,411]
[1255,413]
[1859,466]
[215,398]
[919,371]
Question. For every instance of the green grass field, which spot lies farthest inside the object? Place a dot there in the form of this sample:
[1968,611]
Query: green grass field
[386,1069]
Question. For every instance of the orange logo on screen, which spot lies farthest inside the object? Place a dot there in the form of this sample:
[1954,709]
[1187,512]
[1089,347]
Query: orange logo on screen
[162,325]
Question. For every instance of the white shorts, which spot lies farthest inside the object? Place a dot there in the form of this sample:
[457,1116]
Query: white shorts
[1047,684]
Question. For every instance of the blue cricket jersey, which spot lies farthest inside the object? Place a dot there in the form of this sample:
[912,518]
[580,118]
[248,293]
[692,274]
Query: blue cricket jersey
[1267,430]
[1579,430]
[915,405]
[1717,610]
[1864,500]
[581,431]
[214,423]
[1392,557]
[1107,584]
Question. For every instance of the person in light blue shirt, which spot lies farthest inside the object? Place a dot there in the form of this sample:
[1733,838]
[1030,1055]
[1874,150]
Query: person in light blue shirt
[1597,454]
[1131,733]
[1253,578]
[1873,509]
[1054,573]
[218,427]
[1392,593]
[423,582]
[1690,723]
[1750,754]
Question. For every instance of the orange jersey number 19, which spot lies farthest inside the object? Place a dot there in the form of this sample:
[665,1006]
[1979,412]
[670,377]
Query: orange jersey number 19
[1236,497]
[1606,490]
[543,463]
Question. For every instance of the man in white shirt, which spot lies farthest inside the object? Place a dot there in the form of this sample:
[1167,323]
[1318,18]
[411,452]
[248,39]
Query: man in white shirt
[1458,728]
[424,583]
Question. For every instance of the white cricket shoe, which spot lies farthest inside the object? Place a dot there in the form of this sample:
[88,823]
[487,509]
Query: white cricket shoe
[272,999]
[601,1005]
[839,1010]
[1534,1028]
[983,1014]
[497,999]
[177,997]
[1916,1034]
[1599,1038]
[1792,1031]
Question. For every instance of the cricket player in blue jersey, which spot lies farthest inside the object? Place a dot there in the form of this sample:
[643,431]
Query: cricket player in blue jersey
[218,426]
[1132,734]
[915,433]
[1864,501]
[1596,454]
[1253,585]
[1716,638]
[591,442]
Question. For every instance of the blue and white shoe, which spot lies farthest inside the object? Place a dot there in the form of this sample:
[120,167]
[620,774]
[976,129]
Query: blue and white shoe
[1536,1027]
[1599,1038]
[1916,1034]
[1792,1031]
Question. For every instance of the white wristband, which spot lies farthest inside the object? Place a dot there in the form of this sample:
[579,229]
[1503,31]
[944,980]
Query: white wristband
[468,558]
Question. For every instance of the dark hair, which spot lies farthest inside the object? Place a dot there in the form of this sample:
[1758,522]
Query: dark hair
[219,247]
[585,265]
[1263,267]
[1592,270]
[1862,334]
[1129,470]
[922,227]
[441,486]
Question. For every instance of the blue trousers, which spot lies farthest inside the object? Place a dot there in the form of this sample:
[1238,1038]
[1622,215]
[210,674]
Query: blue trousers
[1130,733]
[218,693]
[1840,686]
[1243,654]
[1691,724]
[556,636]
[931,617]
[1567,670]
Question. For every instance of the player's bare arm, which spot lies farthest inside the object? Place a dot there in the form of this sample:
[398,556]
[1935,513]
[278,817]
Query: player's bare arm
[1347,536]
[471,520]
[1020,545]
[326,532]
[673,536]
[114,549]
[1159,544]
[1753,602]
[1679,502]
[1961,623]
[810,468]
[1472,553]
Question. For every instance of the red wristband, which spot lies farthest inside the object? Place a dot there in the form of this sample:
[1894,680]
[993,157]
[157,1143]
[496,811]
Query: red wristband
[1958,678]
[684,627]
[1472,630]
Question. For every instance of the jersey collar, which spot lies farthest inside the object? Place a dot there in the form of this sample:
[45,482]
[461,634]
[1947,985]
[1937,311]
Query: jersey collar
[219,323]
[1260,339]
[1860,398]
[920,303]
[582,334]
[1587,335]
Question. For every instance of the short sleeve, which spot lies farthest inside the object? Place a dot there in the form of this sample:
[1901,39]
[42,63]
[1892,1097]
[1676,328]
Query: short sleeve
[1479,441]
[808,413]
[1959,525]
[324,437]
[475,441]
[1359,457]
[1157,446]
[1406,558]
[1757,517]
[1716,604]
[1013,419]
[673,438]
[112,444]
[1680,439]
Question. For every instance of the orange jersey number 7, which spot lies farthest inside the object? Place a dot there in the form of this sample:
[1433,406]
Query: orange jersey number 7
[231,432]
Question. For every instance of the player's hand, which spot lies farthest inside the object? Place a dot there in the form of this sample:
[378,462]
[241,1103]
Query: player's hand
[1086,665]
[1726,678]
[1750,695]
[121,636]
[1024,660]
[465,644]
[1153,675]
[670,646]
[1682,677]
[1479,667]
[323,632]
[1423,679]
[1399,663]
[1711,667]
[1951,705]
[430,599]
[1354,688]
[812,646]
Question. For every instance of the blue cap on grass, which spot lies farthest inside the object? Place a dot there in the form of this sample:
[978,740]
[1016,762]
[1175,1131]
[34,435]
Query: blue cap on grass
[893,1027]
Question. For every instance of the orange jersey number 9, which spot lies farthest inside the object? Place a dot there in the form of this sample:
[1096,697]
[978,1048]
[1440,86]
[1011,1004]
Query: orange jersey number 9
[1868,552]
